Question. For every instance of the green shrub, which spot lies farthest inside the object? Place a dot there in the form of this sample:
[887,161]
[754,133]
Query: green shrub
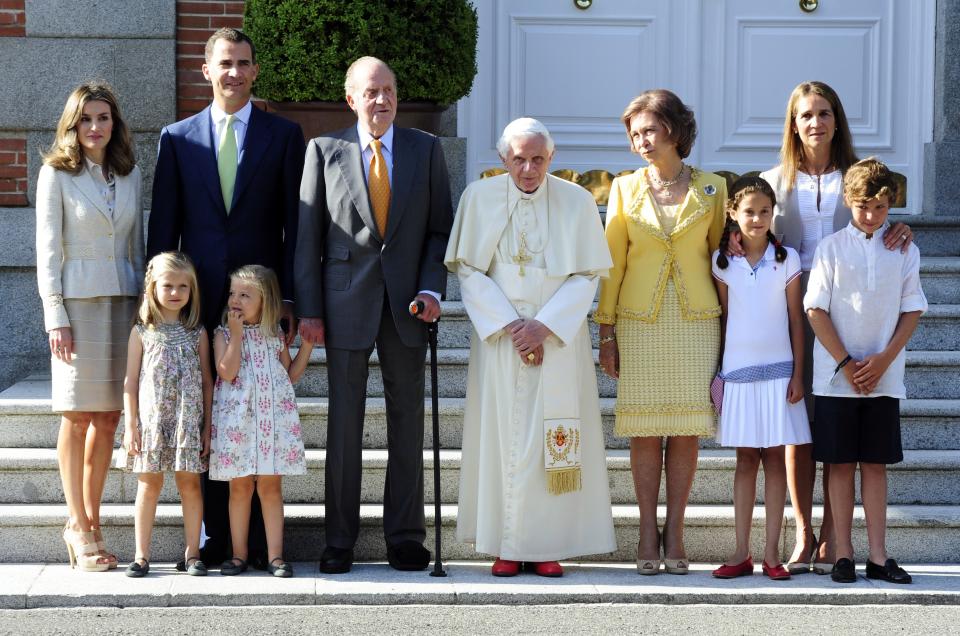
[305,46]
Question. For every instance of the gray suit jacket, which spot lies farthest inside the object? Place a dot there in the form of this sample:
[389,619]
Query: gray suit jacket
[344,268]
[787,224]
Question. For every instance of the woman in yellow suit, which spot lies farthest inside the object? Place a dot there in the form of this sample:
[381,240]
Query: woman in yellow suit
[659,315]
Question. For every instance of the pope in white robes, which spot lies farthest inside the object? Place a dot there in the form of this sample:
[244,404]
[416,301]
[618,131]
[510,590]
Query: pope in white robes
[529,249]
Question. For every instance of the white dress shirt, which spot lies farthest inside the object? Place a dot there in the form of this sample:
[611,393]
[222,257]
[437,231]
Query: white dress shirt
[241,120]
[864,287]
[386,149]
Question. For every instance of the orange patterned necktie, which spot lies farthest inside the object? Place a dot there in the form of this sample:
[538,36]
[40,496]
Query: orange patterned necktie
[378,184]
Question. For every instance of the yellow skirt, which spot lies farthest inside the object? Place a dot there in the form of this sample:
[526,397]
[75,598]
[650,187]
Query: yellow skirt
[665,372]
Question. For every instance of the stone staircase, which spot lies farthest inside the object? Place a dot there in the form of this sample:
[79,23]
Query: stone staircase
[924,494]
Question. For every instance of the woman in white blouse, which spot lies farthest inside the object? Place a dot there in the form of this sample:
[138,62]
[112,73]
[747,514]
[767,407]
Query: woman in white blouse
[90,256]
[816,152]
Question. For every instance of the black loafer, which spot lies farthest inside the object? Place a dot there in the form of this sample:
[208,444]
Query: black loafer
[137,571]
[282,569]
[336,560]
[194,567]
[844,571]
[233,567]
[408,556]
[889,571]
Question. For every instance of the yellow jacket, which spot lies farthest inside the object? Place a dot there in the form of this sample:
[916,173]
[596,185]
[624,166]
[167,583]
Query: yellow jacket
[644,256]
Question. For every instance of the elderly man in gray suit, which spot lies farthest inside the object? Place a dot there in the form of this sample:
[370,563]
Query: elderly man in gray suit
[375,215]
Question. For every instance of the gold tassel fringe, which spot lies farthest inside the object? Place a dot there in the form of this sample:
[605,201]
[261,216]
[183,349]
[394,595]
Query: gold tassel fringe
[563,481]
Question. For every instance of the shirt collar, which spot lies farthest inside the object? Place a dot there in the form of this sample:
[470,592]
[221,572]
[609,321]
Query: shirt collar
[386,139]
[859,234]
[96,170]
[217,114]
[770,254]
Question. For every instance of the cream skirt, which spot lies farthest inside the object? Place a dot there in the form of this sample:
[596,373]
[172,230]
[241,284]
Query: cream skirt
[665,373]
[93,380]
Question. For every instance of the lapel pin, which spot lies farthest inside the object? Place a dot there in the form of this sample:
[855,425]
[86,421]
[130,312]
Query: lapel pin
[709,189]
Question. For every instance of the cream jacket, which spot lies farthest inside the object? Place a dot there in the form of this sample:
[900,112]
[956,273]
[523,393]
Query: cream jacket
[81,251]
[644,257]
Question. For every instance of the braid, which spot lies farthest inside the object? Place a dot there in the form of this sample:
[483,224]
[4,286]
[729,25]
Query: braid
[722,261]
[779,249]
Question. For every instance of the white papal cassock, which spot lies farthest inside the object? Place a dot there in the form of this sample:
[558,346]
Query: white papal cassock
[505,507]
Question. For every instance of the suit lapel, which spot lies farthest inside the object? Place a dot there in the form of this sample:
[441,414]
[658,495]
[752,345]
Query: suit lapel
[403,167]
[84,183]
[255,144]
[201,136]
[350,161]
[123,194]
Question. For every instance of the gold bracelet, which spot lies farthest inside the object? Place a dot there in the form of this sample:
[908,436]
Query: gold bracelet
[605,339]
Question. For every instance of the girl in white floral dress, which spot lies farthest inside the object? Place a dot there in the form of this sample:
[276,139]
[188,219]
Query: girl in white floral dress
[256,428]
[167,396]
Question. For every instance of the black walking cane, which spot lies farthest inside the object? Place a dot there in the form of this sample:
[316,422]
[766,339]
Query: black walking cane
[415,309]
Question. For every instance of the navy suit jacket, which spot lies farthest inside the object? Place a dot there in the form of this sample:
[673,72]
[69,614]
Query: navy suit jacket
[188,211]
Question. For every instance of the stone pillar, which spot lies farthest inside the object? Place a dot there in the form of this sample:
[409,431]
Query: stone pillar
[941,159]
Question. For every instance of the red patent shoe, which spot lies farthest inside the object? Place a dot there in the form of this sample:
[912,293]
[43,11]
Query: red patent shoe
[733,571]
[547,568]
[503,567]
[776,572]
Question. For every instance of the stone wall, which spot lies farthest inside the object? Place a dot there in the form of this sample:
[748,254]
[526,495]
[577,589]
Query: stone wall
[47,48]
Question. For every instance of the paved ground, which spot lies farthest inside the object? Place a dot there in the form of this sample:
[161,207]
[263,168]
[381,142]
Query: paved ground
[469,583]
[689,620]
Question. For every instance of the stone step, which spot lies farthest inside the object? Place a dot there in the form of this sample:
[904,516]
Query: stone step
[601,597]
[934,235]
[939,275]
[30,476]
[32,533]
[27,422]
[929,374]
[939,328]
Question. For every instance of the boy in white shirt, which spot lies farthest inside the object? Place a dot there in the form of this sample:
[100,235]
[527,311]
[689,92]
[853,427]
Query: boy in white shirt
[863,302]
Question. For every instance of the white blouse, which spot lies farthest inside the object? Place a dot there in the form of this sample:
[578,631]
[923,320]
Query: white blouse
[817,219]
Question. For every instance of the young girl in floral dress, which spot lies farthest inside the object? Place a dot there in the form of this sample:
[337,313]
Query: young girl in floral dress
[256,428]
[167,395]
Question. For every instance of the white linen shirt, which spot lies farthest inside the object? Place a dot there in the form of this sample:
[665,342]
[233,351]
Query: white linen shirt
[817,221]
[758,326]
[864,287]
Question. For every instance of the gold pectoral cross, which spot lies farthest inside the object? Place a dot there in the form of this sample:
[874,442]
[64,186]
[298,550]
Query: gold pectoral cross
[522,257]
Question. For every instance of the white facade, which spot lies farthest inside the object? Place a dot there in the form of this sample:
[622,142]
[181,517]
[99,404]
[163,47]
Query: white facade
[733,61]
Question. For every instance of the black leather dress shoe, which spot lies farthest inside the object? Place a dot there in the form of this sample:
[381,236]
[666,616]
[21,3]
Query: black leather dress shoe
[844,571]
[889,571]
[408,556]
[336,560]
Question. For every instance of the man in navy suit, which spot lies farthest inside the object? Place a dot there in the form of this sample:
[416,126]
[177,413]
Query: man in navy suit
[226,192]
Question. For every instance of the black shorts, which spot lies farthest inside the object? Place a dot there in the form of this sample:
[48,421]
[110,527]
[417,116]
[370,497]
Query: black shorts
[847,430]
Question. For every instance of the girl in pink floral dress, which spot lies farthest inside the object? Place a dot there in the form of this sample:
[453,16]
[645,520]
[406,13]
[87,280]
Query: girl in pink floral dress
[256,428]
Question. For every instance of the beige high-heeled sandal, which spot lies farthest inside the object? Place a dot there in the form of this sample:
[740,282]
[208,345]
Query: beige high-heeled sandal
[648,567]
[674,566]
[101,548]
[82,551]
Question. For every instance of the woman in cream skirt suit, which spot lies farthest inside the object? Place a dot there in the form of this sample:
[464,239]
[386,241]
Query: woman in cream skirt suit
[89,269]
[659,315]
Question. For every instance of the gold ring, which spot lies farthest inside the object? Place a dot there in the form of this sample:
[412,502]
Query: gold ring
[531,357]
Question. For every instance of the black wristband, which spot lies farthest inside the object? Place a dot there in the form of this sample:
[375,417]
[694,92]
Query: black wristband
[842,364]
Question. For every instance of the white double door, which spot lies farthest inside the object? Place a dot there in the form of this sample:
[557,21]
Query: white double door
[733,61]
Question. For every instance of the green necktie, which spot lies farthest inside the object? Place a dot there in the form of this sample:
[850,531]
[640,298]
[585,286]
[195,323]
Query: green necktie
[227,161]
